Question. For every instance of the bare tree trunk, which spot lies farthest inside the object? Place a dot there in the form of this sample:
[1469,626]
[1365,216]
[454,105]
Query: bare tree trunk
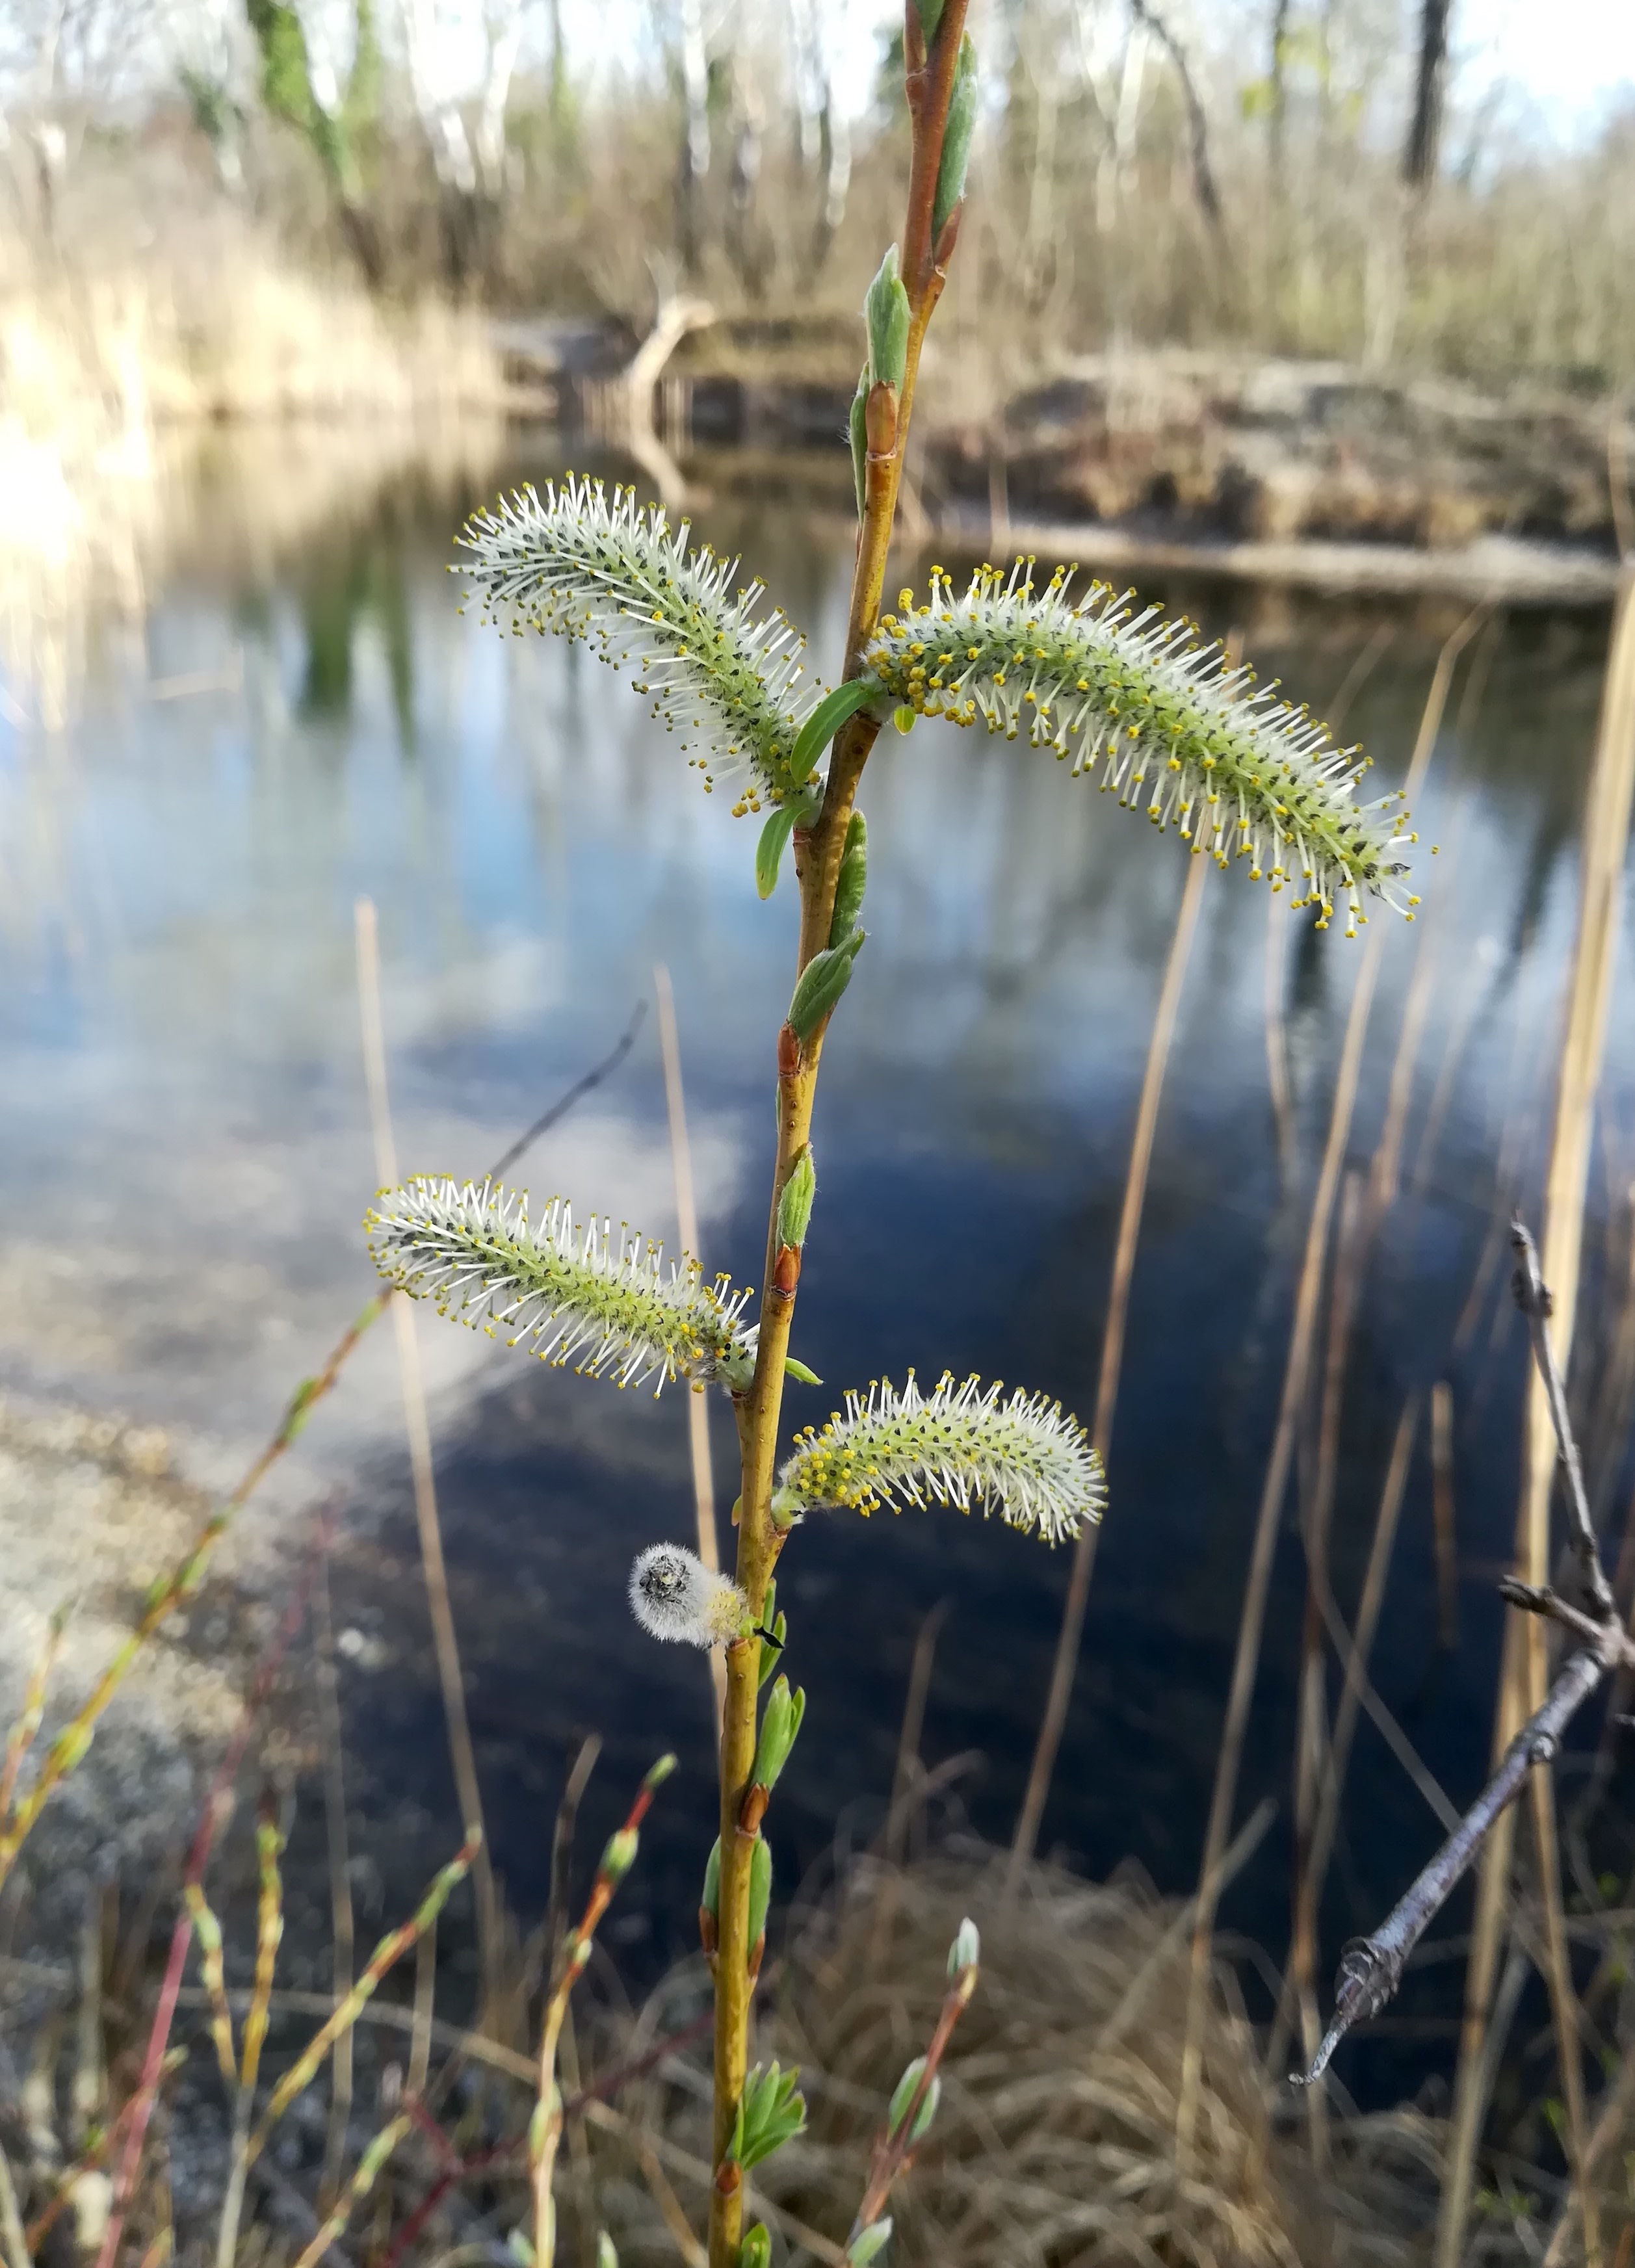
[746,240]
[452,159]
[835,151]
[1197,125]
[1276,116]
[504,38]
[696,134]
[1425,135]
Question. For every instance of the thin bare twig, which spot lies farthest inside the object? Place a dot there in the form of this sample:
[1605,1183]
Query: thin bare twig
[1370,1968]
[891,2150]
[1534,1303]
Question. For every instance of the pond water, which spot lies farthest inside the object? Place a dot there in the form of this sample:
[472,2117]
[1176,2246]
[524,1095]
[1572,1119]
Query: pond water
[188,1158]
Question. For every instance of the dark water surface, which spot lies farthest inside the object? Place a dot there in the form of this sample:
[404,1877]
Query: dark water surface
[188,1142]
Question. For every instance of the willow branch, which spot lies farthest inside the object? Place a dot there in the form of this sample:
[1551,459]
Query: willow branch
[1371,1968]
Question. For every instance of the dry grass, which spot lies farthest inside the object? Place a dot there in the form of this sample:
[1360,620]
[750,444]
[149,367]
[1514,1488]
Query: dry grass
[1055,2145]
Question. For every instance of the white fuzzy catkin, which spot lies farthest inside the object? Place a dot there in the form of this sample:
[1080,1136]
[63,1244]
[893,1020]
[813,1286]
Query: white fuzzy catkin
[585,564]
[959,1445]
[605,1302]
[675,1597]
[1144,706]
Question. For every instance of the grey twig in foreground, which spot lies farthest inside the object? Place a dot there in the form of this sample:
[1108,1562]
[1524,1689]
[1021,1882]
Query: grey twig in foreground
[1371,1968]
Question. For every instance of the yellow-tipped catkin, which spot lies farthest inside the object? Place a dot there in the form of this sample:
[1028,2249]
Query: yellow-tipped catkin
[960,1445]
[607,1304]
[1139,702]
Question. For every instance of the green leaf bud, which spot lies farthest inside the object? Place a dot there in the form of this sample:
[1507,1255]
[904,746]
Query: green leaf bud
[770,2113]
[657,1773]
[869,2243]
[903,717]
[769,1660]
[886,311]
[756,2251]
[760,1888]
[779,1727]
[620,1855]
[853,878]
[956,140]
[858,424]
[711,1899]
[832,712]
[799,1371]
[821,984]
[800,811]
[607,2252]
[903,2095]
[794,1202]
[966,1951]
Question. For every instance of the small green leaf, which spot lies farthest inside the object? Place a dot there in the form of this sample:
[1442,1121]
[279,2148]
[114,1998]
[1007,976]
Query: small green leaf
[869,2243]
[835,710]
[956,139]
[886,312]
[769,850]
[852,880]
[760,1888]
[799,1372]
[821,984]
[794,1202]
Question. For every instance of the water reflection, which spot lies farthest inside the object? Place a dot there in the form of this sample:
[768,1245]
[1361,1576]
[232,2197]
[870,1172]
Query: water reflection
[188,1161]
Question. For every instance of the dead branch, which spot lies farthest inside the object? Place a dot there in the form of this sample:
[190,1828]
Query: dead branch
[1371,1968]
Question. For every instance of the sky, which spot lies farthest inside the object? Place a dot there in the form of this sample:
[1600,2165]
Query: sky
[1571,56]
[1568,59]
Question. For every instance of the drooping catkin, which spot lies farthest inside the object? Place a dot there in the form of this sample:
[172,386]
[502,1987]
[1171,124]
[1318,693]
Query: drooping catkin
[960,1445]
[1142,703]
[606,1302]
[588,563]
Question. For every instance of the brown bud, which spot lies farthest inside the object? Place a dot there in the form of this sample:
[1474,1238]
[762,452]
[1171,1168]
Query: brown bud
[882,419]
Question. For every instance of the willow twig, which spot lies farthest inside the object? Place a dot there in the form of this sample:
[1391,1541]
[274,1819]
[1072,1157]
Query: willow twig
[217,1804]
[891,2152]
[171,1591]
[930,70]
[1372,1968]
[545,2133]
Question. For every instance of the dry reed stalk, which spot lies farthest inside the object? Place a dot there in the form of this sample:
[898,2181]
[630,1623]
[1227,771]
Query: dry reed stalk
[905,1793]
[1251,1620]
[1442,1514]
[1302,1329]
[16,2252]
[269,1934]
[1315,1874]
[342,1922]
[1311,1738]
[696,1397]
[561,1852]
[170,1591]
[1606,830]
[911,1730]
[1278,1037]
[29,1716]
[1065,1663]
[386,1955]
[217,1806]
[419,1433]
[545,2127]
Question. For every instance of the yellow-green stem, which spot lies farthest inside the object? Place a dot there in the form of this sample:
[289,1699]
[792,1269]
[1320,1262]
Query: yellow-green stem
[817,867]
